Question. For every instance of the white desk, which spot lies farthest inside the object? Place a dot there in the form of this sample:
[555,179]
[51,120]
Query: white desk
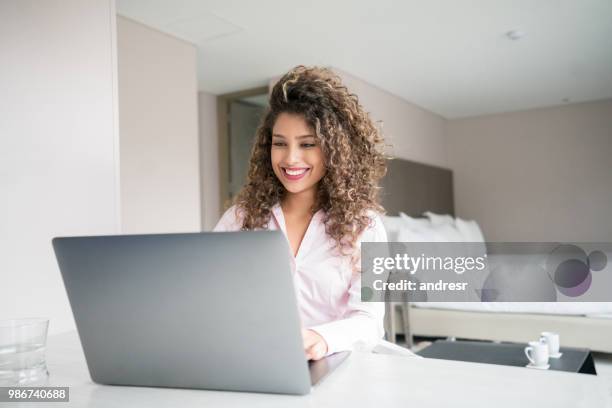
[364,380]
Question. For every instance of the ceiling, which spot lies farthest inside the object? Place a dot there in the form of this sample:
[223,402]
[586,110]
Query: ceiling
[450,57]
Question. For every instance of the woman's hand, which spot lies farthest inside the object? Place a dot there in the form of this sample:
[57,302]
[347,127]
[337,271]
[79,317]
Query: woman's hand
[315,346]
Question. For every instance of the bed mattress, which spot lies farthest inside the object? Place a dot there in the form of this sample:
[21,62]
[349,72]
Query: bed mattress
[592,309]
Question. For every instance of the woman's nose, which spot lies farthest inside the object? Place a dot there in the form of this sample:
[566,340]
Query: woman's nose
[293,154]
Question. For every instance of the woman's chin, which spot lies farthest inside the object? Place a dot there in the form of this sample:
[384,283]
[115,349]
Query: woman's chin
[293,188]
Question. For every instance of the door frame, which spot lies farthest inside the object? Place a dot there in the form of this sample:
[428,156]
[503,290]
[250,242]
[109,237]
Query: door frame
[223,107]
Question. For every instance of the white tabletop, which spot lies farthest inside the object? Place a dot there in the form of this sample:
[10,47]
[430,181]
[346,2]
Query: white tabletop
[364,380]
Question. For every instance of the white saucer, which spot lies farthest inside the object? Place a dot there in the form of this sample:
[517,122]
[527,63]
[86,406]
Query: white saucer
[555,355]
[544,367]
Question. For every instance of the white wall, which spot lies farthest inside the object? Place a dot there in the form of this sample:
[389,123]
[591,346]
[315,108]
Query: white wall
[537,175]
[58,141]
[158,122]
[209,160]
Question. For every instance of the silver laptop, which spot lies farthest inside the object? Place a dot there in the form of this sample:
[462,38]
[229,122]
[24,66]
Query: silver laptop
[199,310]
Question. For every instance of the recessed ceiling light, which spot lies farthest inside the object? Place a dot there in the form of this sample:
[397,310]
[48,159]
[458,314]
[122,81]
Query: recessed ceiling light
[515,35]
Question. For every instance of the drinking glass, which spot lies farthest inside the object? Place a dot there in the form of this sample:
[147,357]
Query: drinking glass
[22,351]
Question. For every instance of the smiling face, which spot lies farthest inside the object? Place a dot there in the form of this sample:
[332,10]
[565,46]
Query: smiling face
[297,158]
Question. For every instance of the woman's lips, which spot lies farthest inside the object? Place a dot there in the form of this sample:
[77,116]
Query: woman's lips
[294,173]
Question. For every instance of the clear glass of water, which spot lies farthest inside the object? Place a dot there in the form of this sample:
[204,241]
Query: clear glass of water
[22,351]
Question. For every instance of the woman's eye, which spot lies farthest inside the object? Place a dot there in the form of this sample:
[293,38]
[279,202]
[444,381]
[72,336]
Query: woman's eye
[278,144]
[308,145]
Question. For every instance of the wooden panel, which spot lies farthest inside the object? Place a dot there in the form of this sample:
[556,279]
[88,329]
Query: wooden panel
[414,188]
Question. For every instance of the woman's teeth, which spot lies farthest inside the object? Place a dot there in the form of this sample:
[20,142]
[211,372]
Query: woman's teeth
[295,172]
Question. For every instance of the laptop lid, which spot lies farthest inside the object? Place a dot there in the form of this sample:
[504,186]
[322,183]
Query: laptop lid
[195,310]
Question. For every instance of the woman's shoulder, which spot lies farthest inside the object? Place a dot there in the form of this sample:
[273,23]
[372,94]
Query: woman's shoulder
[231,220]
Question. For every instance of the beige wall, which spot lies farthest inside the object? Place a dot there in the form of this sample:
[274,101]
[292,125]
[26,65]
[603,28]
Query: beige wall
[538,175]
[209,160]
[58,145]
[158,123]
[414,133]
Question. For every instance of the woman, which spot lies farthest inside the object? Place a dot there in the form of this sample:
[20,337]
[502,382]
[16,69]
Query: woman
[313,174]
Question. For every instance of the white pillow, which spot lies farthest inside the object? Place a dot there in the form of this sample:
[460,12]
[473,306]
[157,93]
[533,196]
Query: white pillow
[392,226]
[438,233]
[446,233]
[470,230]
[410,235]
[415,223]
[439,219]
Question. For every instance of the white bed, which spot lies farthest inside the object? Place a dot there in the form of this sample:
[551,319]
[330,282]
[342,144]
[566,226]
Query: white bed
[592,309]
[593,331]
[580,324]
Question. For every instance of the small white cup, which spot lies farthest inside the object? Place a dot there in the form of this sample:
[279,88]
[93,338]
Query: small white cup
[552,341]
[537,353]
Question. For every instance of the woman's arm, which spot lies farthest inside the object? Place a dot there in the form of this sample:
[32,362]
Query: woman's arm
[362,322]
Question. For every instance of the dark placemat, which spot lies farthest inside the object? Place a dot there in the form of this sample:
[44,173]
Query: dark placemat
[576,360]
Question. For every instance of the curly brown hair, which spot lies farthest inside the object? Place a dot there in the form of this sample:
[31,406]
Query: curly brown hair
[351,144]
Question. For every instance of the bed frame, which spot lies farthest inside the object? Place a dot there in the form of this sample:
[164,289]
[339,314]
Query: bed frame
[414,188]
[575,331]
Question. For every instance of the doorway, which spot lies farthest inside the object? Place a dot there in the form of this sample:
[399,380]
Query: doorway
[240,114]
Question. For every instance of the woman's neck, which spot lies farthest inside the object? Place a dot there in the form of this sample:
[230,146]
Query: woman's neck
[299,204]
